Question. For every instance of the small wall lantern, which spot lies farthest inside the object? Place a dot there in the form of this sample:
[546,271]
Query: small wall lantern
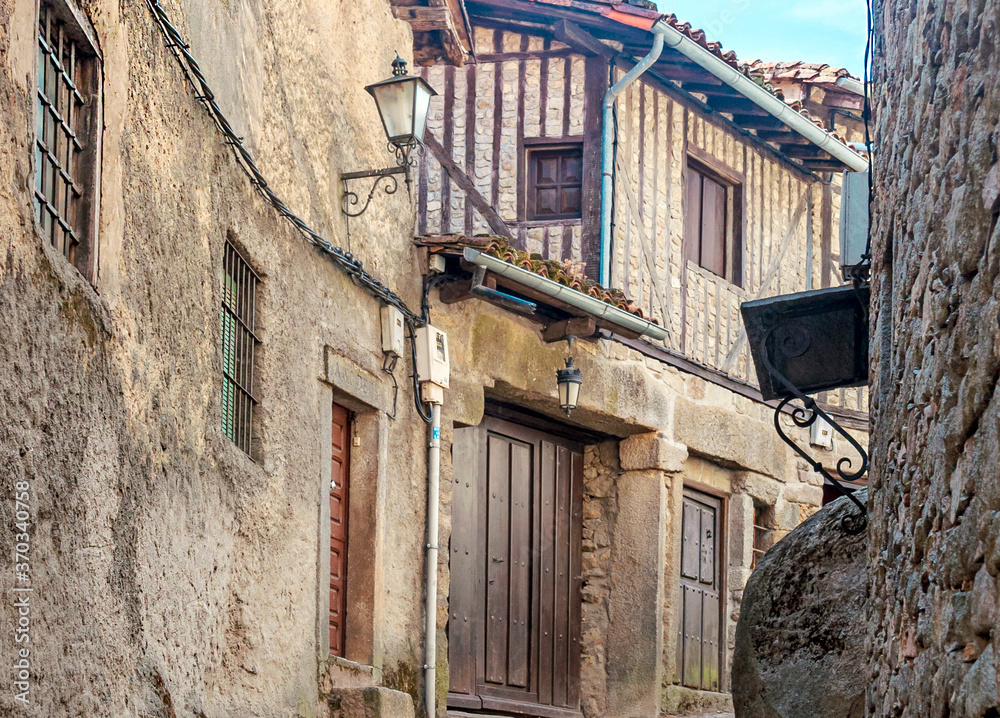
[570,380]
[403,103]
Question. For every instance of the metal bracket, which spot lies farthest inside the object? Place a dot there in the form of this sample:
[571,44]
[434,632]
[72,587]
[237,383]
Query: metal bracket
[804,415]
[351,198]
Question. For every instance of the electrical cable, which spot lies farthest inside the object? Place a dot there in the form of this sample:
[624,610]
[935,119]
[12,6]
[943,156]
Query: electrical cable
[389,362]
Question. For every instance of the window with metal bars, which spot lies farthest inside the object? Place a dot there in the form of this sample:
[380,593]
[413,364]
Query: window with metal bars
[67,133]
[762,534]
[239,342]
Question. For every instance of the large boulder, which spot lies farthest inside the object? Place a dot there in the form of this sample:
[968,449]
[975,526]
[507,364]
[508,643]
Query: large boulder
[800,638]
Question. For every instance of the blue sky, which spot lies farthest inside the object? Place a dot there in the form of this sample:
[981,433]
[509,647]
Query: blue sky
[830,31]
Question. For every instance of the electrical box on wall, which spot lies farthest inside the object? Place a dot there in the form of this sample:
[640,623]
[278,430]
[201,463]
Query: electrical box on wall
[432,356]
[392,331]
[853,220]
[821,433]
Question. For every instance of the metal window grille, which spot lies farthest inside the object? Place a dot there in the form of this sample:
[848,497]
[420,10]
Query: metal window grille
[60,114]
[761,534]
[239,296]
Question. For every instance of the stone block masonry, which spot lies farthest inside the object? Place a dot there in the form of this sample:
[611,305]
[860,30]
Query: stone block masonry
[935,502]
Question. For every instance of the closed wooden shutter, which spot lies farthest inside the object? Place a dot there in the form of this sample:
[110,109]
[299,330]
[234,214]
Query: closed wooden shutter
[713,227]
[692,216]
[339,490]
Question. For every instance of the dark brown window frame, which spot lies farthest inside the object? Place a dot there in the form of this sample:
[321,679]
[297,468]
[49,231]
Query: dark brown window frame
[731,181]
[536,150]
[67,144]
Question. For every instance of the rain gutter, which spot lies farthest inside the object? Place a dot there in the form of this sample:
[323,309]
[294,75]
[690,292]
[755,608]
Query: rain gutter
[607,146]
[762,98]
[576,299]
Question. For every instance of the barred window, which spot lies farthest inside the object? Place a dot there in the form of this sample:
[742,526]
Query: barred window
[67,133]
[239,296]
[763,537]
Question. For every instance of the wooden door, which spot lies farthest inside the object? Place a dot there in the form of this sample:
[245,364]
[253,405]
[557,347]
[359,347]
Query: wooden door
[699,643]
[339,492]
[514,626]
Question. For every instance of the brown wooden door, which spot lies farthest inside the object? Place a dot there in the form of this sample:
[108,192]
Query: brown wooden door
[699,641]
[339,490]
[514,628]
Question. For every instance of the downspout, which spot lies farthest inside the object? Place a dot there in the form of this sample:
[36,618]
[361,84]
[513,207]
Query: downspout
[607,145]
[431,560]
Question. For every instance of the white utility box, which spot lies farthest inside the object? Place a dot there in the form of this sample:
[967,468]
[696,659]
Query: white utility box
[432,356]
[821,433]
[853,220]
[393,331]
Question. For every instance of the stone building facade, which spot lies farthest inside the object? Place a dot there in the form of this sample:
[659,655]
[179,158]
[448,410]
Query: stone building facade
[666,424]
[184,560]
[933,538]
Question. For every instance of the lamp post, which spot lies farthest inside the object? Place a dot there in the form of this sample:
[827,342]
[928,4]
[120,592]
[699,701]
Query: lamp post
[403,103]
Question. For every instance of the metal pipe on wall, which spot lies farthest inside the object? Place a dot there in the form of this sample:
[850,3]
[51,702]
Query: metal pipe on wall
[431,560]
[607,147]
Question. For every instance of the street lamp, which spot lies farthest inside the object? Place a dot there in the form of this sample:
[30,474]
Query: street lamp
[403,102]
[569,381]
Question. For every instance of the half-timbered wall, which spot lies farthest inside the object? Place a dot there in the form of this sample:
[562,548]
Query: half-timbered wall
[525,91]
[522,91]
[787,234]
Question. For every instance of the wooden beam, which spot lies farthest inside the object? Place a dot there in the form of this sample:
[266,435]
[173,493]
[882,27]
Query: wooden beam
[581,327]
[755,122]
[424,19]
[687,73]
[825,165]
[738,104]
[466,184]
[709,89]
[575,36]
[783,138]
[809,151]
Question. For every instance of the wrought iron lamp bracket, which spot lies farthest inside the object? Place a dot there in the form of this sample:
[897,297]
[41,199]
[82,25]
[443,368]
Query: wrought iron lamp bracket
[352,199]
[804,414]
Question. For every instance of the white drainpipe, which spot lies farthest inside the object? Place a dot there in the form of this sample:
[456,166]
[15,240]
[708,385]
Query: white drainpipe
[607,146]
[431,559]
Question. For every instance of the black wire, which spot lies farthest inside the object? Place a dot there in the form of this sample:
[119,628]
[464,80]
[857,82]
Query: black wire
[862,271]
[429,417]
[614,168]
[430,281]
[867,116]
[389,367]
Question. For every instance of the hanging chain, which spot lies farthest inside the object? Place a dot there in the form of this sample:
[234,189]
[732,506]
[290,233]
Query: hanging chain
[345,261]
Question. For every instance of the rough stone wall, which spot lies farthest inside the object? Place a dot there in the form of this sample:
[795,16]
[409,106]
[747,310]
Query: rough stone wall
[172,574]
[934,530]
[601,468]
